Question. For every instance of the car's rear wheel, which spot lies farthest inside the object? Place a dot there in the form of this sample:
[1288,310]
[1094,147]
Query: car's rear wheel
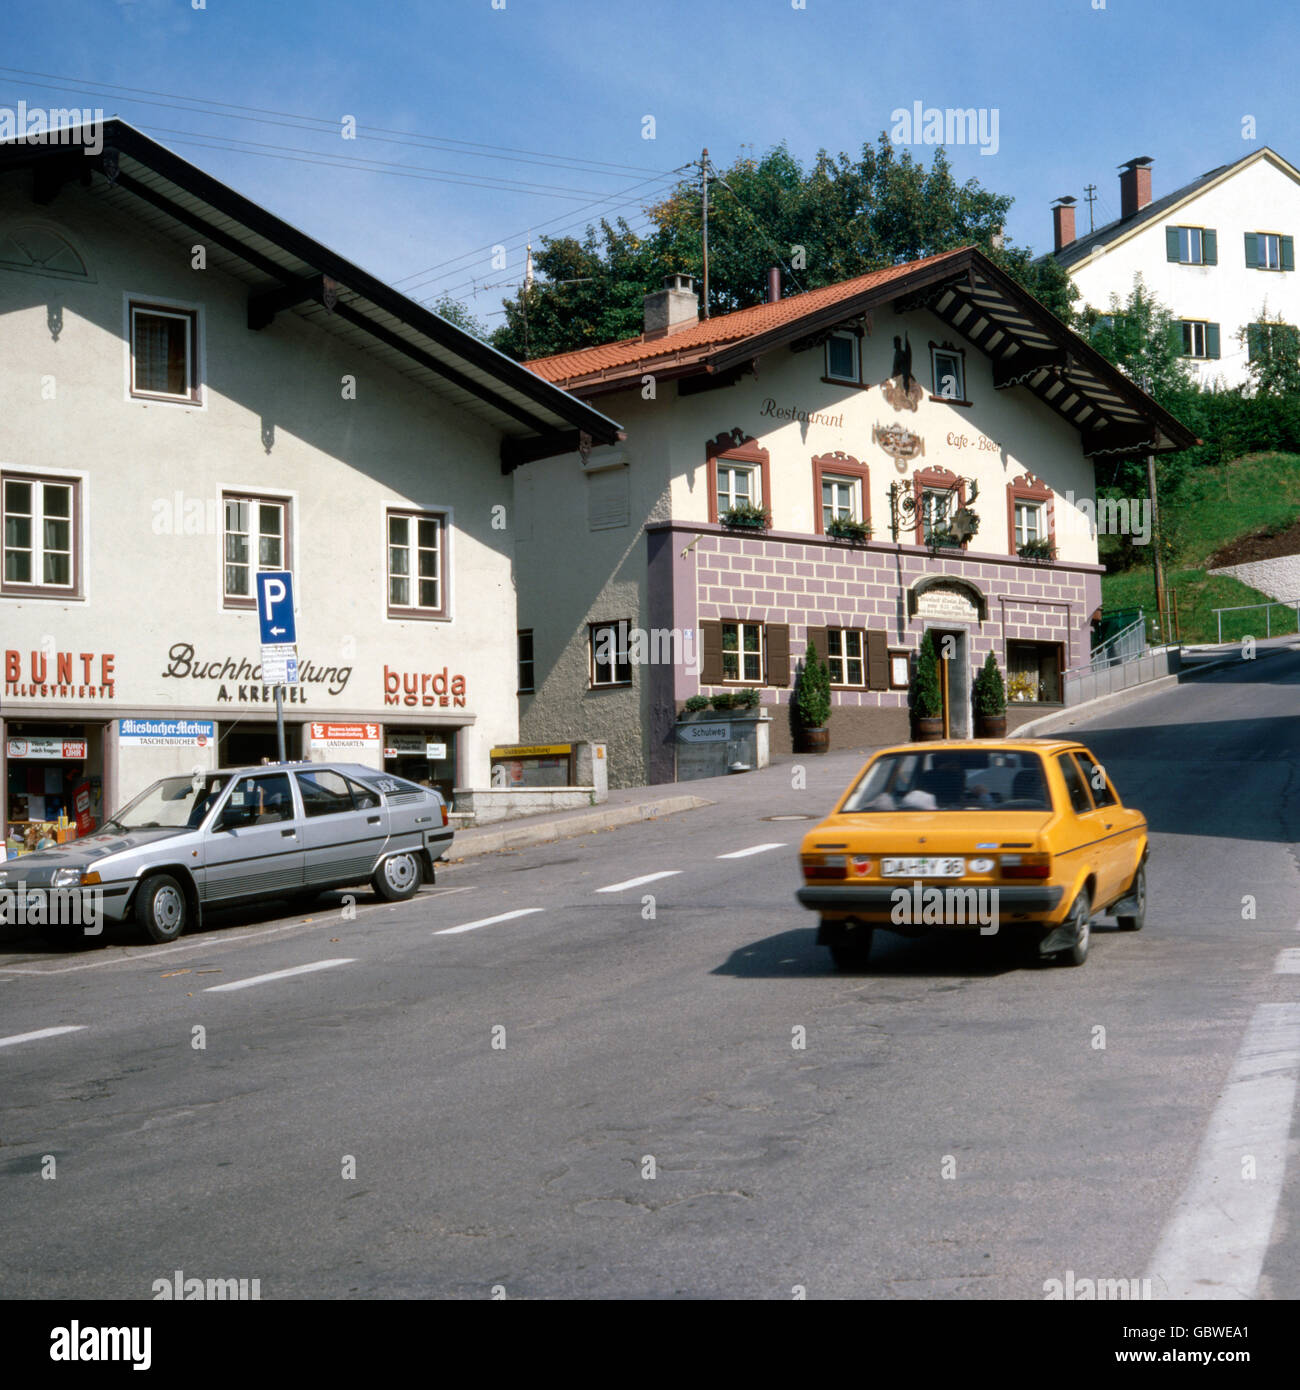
[1080,923]
[1137,896]
[851,951]
[160,907]
[398,877]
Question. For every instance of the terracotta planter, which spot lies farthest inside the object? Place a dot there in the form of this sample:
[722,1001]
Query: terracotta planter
[814,740]
[926,729]
[991,725]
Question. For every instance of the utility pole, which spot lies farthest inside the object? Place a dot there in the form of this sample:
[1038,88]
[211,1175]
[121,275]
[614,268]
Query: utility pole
[1158,566]
[1091,190]
[704,206]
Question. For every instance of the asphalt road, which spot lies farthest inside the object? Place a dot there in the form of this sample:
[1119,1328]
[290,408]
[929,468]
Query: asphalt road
[950,1127]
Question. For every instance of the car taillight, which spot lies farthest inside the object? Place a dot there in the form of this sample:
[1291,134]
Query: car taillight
[1026,866]
[825,866]
[444,813]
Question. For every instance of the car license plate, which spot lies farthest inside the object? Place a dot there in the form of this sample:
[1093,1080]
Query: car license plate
[923,868]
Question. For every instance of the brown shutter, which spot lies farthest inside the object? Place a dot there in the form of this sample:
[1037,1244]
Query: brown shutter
[776,638]
[816,636]
[877,659]
[710,653]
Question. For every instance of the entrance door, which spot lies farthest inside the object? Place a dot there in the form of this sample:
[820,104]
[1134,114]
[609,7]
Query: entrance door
[248,744]
[952,647]
[254,847]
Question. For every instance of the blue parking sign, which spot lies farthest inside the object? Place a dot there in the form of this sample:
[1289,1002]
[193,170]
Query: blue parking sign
[275,608]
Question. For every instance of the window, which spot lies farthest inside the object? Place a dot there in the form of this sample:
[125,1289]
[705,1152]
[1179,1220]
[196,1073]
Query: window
[839,500]
[260,800]
[1200,339]
[742,652]
[1034,671]
[1269,251]
[1095,776]
[415,564]
[525,659]
[844,656]
[610,664]
[324,793]
[1029,522]
[949,373]
[737,486]
[164,353]
[39,534]
[1192,245]
[932,511]
[255,539]
[842,357]
[1074,784]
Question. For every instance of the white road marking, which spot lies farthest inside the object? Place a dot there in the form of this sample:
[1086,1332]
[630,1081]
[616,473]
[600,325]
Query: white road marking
[1288,962]
[280,974]
[753,849]
[42,1033]
[488,921]
[637,882]
[1215,1242]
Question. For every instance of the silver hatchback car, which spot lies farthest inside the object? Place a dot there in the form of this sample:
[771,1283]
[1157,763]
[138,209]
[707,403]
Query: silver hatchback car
[282,830]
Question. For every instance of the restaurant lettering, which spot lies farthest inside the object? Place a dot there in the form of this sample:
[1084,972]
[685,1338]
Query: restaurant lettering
[246,676]
[60,675]
[792,412]
[423,688]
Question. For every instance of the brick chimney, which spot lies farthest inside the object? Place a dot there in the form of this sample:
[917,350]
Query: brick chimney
[1063,221]
[672,308]
[1134,185]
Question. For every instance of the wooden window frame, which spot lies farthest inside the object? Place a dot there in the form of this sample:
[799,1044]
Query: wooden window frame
[417,612]
[953,351]
[935,479]
[840,465]
[827,378]
[1028,488]
[256,499]
[194,395]
[59,592]
[896,654]
[746,450]
[592,630]
[742,679]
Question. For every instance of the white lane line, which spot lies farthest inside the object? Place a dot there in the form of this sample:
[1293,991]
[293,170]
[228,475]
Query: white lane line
[637,882]
[280,974]
[1215,1242]
[753,849]
[42,1033]
[1288,962]
[488,921]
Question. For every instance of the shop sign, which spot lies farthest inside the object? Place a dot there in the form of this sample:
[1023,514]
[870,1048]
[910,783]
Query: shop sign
[70,749]
[166,733]
[423,688]
[60,675]
[364,736]
[538,750]
[417,745]
[244,682]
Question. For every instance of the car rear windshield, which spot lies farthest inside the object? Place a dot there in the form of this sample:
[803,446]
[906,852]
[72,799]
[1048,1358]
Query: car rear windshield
[952,780]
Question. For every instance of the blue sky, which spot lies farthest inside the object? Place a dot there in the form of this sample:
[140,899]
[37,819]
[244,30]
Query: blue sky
[1078,87]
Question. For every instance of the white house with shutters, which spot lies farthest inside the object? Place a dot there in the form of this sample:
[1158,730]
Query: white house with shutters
[1219,253]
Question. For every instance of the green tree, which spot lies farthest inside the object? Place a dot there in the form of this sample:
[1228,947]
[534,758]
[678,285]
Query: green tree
[924,698]
[1142,338]
[812,691]
[1274,348]
[455,312]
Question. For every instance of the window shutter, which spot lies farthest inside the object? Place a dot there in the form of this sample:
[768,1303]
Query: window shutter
[1171,243]
[877,659]
[710,653]
[816,635]
[607,499]
[1210,246]
[1211,339]
[776,638]
[1288,253]
[1252,251]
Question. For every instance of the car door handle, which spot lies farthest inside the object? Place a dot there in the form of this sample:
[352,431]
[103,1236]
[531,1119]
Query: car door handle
[288,834]
[372,820]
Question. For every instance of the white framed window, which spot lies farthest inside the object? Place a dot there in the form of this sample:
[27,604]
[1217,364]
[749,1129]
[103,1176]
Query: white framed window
[742,652]
[1029,522]
[1195,339]
[949,373]
[1191,246]
[844,656]
[842,357]
[738,485]
[39,534]
[256,537]
[610,664]
[841,499]
[1270,250]
[164,344]
[416,541]
[933,501]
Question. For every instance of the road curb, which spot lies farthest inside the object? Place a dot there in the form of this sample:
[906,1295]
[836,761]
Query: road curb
[521,835]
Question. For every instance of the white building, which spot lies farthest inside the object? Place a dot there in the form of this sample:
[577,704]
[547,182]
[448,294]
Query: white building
[1218,253]
[193,391]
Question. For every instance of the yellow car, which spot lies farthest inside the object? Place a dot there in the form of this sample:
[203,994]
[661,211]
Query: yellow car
[1026,835]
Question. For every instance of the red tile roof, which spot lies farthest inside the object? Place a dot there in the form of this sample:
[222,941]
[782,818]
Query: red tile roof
[697,341]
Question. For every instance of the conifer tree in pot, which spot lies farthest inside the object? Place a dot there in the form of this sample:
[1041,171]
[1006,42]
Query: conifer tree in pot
[812,701]
[990,701]
[924,698]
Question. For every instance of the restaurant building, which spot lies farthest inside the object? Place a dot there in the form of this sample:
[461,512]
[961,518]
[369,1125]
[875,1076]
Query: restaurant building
[912,450]
[194,391]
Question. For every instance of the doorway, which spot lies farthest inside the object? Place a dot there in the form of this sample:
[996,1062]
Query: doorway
[249,744]
[952,647]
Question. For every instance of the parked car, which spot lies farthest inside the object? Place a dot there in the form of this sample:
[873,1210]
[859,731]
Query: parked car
[1033,826]
[281,830]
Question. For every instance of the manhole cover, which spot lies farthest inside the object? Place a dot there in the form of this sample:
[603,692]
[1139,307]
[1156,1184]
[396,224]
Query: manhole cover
[787,818]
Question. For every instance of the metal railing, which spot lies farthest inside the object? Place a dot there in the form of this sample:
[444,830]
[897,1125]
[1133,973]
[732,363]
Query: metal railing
[1126,644]
[1292,605]
[1089,682]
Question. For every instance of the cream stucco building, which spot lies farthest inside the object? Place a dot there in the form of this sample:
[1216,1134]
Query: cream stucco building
[935,402]
[192,391]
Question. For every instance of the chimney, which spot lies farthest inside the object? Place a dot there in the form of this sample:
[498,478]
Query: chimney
[672,308]
[1063,221]
[1134,185]
[773,283]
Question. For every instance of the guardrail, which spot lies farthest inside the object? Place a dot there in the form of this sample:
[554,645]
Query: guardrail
[1089,682]
[1291,605]
[1125,645]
